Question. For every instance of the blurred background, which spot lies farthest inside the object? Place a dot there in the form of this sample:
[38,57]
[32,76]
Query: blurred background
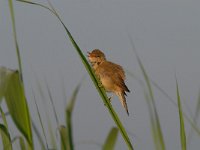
[166,35]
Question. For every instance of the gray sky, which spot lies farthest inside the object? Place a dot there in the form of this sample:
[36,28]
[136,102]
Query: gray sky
[166,35]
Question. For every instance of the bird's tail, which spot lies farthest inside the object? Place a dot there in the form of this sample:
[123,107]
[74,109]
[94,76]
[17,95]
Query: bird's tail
[122,99]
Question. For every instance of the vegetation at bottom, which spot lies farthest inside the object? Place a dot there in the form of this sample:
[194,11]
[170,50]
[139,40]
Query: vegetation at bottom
[13,92]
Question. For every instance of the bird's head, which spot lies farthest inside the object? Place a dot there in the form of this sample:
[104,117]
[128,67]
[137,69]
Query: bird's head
[96,56]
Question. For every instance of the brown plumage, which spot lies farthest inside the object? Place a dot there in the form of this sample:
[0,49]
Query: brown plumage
[111,75]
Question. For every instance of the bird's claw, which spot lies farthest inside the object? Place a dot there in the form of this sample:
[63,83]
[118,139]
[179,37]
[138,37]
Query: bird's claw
[109,100]
[100,85]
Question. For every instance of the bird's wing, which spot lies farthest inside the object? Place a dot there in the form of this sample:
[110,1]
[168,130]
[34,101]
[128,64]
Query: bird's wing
[117,69]
[115,72]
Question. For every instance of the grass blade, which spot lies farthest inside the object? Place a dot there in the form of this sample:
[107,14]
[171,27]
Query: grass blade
[52,103]
[156,127]
[28,132]
[182,127]
[22,143]
[190,121]
[111,139]
[69,110]
[3,117]
[64,138]
[12,89]
[39,137]
[17,106]
[5,75]
[93,77]
[15,37]
[7,144]
[44,100]
[40,119]
[21,140]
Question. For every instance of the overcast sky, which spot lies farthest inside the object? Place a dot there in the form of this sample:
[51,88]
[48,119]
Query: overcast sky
[166,35]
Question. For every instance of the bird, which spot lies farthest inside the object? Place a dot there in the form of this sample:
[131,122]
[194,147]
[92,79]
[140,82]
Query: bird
[111,75]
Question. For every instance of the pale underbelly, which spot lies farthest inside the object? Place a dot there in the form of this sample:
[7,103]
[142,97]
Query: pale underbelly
[108,85]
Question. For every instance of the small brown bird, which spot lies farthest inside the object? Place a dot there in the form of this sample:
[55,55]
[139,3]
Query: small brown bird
[111,75]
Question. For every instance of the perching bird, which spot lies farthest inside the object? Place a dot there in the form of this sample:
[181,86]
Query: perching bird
[111,75]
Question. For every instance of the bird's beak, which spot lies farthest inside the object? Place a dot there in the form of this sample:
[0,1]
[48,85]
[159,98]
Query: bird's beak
[88,54]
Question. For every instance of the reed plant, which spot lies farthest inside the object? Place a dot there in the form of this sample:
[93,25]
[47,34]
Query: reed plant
[13,92]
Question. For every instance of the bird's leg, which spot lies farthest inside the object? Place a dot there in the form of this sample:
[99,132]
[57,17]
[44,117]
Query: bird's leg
[100,84]
[109,98]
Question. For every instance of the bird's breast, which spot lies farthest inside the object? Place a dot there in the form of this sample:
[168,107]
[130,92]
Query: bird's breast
[107,83]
